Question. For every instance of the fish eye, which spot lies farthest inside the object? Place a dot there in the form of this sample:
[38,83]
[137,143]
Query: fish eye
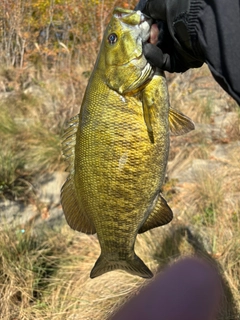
[112,38]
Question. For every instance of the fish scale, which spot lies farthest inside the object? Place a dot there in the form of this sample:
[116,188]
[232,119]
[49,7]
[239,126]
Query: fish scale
[118,148]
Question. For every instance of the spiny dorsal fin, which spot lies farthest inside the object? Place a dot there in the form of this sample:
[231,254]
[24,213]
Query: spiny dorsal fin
[179,123]
[160,215]
[75,215]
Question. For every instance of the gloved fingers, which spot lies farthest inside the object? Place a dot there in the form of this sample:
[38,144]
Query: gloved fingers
[153,54]
[172,63]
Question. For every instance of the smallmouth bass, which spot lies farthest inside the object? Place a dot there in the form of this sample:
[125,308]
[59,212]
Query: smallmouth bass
[117,147]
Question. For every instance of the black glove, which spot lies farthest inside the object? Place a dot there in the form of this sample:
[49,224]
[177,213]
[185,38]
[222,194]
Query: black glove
[177,49]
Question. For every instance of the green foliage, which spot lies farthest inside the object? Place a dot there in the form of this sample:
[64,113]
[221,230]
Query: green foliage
[209,215]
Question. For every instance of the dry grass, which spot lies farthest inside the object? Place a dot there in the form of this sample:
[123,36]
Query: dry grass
[33,116]
[46,276]
[44,273]
[206,186]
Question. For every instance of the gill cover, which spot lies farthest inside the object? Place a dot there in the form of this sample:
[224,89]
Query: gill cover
[122,50]
[128,45]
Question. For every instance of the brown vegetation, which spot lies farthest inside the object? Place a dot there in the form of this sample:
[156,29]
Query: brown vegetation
[47,50]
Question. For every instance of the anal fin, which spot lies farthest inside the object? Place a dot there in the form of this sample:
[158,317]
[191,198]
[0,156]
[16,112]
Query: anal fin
[75,215]
[160,215]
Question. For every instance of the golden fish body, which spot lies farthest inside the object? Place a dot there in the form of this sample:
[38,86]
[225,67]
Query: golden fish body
[118,148]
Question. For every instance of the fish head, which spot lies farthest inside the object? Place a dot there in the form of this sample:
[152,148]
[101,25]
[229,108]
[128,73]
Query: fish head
[125,66]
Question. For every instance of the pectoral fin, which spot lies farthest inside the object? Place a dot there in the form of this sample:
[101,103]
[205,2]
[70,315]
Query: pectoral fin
[147,119]
[179,123]
[161,214]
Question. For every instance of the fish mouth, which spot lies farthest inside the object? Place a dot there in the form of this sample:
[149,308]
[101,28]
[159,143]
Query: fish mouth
[135,19]
[151,35]
[145,26]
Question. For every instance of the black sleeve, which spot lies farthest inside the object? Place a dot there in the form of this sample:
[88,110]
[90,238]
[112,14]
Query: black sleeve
[219,39]
[200,31]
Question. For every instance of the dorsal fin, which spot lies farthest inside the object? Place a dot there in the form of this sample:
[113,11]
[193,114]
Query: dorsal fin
[74,213]
[69,141]
[179,123]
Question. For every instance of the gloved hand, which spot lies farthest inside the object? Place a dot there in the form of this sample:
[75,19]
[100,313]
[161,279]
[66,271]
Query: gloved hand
[177,49]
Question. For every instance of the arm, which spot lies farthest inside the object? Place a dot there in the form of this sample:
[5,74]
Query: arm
[219,38]
[198,31]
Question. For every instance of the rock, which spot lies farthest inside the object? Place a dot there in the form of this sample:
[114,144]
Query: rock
[225,119]
[49,187]
[222,151]
[194,168]
[17,215]
[14,213]
[45,210]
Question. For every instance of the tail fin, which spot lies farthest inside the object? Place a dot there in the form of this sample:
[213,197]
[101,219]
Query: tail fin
[134,266]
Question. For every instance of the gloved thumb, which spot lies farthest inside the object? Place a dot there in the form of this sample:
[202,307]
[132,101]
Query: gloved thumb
[156,57]
[163,61]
